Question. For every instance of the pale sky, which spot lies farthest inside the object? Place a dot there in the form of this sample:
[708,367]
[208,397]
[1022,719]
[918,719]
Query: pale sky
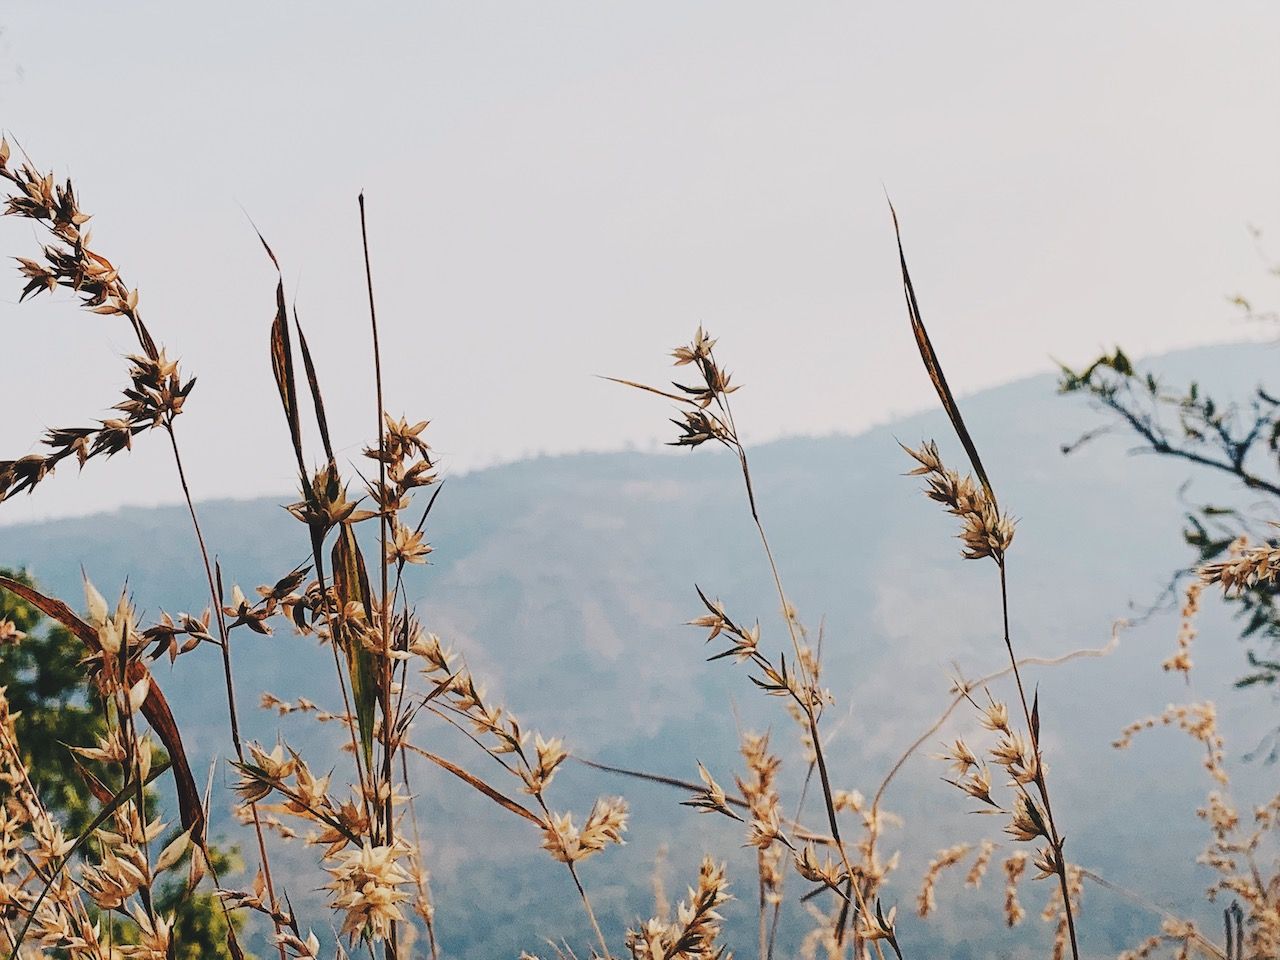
[560,189]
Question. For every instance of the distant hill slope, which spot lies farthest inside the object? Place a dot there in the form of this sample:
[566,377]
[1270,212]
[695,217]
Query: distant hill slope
[567,579]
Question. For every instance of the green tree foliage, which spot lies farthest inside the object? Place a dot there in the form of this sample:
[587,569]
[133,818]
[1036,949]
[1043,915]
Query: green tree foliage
[40,669]
[1238,439]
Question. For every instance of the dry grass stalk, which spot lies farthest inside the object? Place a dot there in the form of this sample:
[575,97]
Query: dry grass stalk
[987,533]
[1243,850]
[926,902]
[1180,661]
[706,415]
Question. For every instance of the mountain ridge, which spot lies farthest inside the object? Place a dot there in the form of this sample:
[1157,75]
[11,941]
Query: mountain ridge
[1182,361]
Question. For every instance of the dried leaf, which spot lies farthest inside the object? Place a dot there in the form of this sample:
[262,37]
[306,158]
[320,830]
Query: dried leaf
[480,785]
[934,368]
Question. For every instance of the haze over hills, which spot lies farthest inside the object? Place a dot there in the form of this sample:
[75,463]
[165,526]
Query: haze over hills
[566,581]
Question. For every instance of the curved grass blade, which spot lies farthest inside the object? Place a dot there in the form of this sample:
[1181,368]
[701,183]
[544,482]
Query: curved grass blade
[351,584]
[498,798]
[155,708]
[934,368]
[687,785]
[282,365]
[317,401]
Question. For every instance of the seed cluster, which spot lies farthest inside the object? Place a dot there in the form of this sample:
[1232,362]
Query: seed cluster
[156,391]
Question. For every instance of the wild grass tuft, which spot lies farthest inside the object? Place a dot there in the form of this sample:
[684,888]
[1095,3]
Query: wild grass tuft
[823,859]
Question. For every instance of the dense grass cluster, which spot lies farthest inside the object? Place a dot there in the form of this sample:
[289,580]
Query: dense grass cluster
[102,884]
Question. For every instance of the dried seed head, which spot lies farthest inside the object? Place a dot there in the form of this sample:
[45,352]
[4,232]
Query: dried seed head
[1247,569]
[995,716]
[977,785]
[1013,867]
[1028,822]
[976,872]
[765,830]
[699,349]
[406,545]
[548,755]
[1047,862]
[985,531]
[605,824]
[825,870]
[366,888]
[960,757]
[692,935]
[712,799]
[1017,757]
[878,927]
[926,901]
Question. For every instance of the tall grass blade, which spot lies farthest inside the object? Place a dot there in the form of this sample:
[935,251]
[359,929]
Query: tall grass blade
[934,367]
[499,798]
[321,420]
[351,584]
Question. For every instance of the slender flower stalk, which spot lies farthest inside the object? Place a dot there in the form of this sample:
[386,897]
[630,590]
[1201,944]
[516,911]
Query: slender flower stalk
[706,414]
[986,532]
[388,823]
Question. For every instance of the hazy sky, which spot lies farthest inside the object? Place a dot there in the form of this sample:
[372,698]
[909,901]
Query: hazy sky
[563,189]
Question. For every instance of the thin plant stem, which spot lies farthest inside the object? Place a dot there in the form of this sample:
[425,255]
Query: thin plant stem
[225,643]
[388,825]
[805,703]
[1210,947]
[382,511]
[1041,784]
[316,556]
[591,914]
[215,599]
[424,889]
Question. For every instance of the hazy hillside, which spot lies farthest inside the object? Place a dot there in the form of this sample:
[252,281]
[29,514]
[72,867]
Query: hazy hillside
[566,581]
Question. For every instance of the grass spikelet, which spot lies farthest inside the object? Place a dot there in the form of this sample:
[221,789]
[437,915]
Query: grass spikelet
[926,901]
